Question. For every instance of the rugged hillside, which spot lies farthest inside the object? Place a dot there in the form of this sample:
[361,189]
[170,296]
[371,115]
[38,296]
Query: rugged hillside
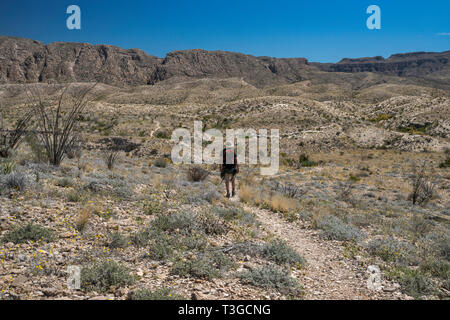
[25,60]
[416,64]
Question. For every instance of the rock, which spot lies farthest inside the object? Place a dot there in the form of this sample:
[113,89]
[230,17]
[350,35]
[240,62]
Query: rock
[19,281]
[50,292]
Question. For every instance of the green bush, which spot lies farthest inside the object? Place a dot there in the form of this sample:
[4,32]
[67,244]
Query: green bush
[208,266]
[117,240]
[159,294]
[415,284]
[151,207]
[161,248]
[29,232]
[14,180]
[334,228]
[6,167]
[183,222]
[280,252]
[103,275]
[437,268]
[392,250]
[270,276]
[64,182]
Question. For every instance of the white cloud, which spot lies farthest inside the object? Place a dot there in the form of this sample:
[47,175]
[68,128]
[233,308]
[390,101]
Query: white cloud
[444,34]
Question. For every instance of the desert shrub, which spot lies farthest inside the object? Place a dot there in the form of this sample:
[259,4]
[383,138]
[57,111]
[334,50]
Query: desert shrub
[208,266]
[279,203]
[159,294]
[334,228]
[6,167]
[75,196]
[211,224]
[437,244]
[392,250]
[363,219]
[280,252]
[160,163]
[436,267]
[162,134]
[110,158]
[82,217]
[302,161]
[161,247]
[247,193]
[445,163]
[197,174]
[15,180]
[422,187]
[418,226]
[57,126]
[103,275]
[29,232]
[64,182]
[233,213]
[270,276]
[345,192]
[117,240]
[414,283]
[141,238]
[10,138]
[211,196]
[288,189]
[152,206]
[183,222]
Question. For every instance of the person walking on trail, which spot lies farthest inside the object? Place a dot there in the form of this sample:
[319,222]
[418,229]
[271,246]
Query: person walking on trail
[229,168]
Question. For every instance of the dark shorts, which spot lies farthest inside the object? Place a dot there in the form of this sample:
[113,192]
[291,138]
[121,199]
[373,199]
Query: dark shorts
[228,175]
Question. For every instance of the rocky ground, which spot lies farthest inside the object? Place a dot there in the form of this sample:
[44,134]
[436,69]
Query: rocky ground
[145,229]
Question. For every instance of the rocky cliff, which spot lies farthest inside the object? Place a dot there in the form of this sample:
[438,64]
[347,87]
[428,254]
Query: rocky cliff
[25,60]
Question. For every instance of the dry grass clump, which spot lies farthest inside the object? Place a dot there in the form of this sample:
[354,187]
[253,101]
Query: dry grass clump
[83,216]
[197,174]
[279,203]
[247,194]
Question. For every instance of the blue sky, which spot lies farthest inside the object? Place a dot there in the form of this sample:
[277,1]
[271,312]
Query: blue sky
[320,30]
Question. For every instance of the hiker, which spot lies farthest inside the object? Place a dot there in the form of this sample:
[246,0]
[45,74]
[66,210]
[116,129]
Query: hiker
[229,168]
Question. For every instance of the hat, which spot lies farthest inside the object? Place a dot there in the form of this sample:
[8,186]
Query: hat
[228,144]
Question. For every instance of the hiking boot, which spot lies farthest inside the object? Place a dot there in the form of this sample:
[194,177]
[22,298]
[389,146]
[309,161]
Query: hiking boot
[233,193]
[228,195]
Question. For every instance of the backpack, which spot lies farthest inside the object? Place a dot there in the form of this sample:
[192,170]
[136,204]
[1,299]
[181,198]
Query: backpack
[230,155]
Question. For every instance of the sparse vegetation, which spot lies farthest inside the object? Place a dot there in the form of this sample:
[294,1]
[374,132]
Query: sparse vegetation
[57,127]
[28,232]
[158,294]
[422,187]
[197,174]
[104,275]
[334,228]
[272,277]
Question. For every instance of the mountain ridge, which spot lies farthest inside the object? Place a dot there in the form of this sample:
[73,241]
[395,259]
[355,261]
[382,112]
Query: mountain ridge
[27,60]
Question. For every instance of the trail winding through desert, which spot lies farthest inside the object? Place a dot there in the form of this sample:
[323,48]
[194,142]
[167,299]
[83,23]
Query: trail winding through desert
[328,274]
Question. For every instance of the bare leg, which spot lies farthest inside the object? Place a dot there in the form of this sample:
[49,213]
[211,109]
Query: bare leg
[233,184]
[227,185]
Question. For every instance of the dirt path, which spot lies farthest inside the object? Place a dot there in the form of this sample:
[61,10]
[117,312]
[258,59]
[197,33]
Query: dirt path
[328,275]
